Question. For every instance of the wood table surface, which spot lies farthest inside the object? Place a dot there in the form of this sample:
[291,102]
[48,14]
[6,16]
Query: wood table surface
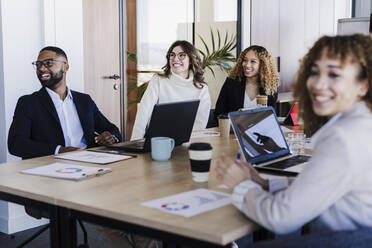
[119,194]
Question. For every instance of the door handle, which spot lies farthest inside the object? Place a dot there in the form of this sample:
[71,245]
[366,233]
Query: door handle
[115,77]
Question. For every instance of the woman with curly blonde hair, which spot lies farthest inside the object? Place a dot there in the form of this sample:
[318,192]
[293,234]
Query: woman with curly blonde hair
[253,74]
[333,192]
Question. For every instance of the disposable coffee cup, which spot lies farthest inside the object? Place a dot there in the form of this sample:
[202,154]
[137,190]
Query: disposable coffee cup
[261,100]
[224,125]
[200,161]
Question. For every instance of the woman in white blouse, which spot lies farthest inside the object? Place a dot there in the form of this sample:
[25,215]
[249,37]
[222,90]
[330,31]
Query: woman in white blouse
[334,191]
[181,80]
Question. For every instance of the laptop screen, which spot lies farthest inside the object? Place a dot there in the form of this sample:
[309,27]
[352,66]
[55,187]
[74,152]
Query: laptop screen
[259,134]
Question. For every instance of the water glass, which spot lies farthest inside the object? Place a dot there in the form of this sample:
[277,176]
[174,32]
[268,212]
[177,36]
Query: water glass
[296,143]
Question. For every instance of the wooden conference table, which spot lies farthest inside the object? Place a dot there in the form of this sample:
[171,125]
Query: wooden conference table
[114,199]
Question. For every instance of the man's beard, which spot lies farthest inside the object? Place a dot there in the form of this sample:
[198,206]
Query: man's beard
[53,81]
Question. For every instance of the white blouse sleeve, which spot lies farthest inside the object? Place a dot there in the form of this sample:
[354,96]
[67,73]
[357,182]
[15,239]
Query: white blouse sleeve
[144,112]
[326,179]
[202,115]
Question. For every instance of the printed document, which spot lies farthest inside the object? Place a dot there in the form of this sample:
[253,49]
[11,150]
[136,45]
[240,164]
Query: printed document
[191,203]
[92,157]
[67,171]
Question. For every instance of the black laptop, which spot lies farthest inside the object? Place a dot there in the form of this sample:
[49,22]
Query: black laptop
[174,120]
[263,143]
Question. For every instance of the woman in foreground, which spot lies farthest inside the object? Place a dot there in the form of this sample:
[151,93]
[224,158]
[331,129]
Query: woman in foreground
[334,191]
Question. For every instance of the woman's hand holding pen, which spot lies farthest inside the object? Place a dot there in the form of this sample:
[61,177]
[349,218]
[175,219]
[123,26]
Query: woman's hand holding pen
[231,173]
[105,138]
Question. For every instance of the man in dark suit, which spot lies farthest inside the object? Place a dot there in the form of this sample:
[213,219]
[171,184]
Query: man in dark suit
[56,119]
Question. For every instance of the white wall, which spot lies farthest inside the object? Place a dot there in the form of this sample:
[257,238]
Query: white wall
[26,27]
[21,39]
[363,8]
[288,28]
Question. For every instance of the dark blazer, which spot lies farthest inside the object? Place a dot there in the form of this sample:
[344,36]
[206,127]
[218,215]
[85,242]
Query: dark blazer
[231,97]
[36,130]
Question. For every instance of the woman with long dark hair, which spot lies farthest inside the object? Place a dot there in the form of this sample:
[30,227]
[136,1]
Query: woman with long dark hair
[182,79]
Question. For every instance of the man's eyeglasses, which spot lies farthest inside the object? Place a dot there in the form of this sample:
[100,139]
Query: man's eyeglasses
[47,63]
[181,55]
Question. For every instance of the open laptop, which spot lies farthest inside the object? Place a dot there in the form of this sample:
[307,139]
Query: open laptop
[174,120]
[262,141]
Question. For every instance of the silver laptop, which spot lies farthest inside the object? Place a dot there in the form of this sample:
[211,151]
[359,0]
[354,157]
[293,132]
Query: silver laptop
[263,143]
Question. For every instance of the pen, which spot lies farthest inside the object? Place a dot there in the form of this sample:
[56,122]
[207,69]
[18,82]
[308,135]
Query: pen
[238,155]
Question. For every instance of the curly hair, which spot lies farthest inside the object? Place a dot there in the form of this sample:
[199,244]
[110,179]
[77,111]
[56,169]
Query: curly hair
[355,48]
[195,62]
[268,75]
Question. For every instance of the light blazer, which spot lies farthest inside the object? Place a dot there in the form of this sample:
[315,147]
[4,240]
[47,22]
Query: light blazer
[36,130]
[334,189]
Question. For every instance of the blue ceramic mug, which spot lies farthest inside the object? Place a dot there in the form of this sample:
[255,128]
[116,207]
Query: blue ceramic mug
[161,148]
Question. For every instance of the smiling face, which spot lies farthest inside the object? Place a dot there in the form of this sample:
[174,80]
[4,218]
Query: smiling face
[52,70]
[251,65]
[179,62]
[334,87]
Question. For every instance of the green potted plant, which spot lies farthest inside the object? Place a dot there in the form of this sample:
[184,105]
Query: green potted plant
[220,55]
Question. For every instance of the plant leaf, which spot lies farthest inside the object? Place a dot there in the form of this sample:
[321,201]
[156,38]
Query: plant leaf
[205,44]
[212,38]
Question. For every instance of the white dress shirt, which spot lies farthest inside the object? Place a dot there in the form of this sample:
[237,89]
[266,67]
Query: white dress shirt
[69,120]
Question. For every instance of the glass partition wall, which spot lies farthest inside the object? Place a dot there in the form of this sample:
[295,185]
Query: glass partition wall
[161,22]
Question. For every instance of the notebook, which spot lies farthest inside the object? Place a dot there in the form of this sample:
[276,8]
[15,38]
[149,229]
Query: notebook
[174,120]
[263,143]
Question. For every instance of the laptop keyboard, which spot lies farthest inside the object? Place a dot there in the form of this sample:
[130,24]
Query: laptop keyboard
[289,162]
[136,144]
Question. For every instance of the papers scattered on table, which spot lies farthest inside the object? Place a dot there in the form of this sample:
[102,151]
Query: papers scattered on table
[191,203]
[203,134]
[67,171]
[286,129]
[92,157]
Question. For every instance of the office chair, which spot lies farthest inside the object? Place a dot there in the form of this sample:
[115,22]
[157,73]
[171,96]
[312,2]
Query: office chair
[211,120]
[38,214]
